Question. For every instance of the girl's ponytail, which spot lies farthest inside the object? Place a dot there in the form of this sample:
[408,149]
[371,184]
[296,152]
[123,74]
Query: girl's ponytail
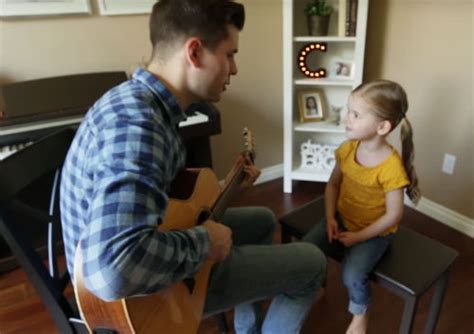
[408,156]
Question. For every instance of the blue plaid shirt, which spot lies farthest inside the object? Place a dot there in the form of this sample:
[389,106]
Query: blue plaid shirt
[114,193]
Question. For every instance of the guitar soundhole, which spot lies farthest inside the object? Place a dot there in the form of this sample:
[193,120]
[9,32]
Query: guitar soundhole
[182,186]
[203,216]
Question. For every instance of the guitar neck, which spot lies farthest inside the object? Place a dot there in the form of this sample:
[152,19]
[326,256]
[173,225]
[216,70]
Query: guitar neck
[231,188]
[224,198]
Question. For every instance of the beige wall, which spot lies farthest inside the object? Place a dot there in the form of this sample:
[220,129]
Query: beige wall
[426,45]
[45,47]
[255,98]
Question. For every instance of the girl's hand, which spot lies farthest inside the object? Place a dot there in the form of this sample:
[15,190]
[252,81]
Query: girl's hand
[332,228]
[349,238]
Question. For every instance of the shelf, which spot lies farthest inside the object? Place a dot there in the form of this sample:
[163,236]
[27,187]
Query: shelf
[324,82]
[319,127]
[310,174]
[324,39]
[333,90]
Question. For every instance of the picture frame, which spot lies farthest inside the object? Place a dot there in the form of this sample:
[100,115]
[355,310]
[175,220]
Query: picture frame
[25,8]
[125,7]
[310,105]
[342,69]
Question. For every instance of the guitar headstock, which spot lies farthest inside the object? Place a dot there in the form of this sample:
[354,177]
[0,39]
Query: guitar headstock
[249,143]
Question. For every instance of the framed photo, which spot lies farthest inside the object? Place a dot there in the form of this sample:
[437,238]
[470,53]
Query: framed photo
[310,106]
[342,69]
[125,7]
[18,8]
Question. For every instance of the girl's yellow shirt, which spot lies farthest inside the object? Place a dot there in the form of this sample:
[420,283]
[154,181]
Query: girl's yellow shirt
[362,194]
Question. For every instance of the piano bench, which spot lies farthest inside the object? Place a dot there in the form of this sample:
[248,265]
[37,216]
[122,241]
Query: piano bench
[411,265]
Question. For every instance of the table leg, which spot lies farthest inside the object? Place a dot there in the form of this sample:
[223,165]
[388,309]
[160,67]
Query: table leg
[285,236]
[437,301]
[222,323]
[408,316]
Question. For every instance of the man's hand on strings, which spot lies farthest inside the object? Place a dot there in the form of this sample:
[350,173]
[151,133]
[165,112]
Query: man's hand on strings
[251,171]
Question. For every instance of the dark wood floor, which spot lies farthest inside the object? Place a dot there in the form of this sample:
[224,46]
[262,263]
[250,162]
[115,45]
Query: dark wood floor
[21,311]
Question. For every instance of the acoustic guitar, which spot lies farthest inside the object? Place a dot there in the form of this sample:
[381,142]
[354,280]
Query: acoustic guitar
[196,196]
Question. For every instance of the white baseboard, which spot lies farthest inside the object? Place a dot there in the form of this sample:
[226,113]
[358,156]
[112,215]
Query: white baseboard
[444,215]
[433,210]
[270,174]
[267,174]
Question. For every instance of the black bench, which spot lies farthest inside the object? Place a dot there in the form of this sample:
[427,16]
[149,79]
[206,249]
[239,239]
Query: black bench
[412,264]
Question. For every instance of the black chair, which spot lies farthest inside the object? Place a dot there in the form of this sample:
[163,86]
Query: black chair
[412,265]
[36,163]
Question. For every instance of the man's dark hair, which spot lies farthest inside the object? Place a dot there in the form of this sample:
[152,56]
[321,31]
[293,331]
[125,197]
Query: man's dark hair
[206,19]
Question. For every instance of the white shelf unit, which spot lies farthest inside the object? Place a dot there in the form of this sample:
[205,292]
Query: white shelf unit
[335,90]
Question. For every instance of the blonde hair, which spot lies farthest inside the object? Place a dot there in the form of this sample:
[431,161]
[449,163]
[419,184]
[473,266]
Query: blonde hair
[389,102]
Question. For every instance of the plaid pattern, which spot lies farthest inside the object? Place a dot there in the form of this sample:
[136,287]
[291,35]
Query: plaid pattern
[113,193]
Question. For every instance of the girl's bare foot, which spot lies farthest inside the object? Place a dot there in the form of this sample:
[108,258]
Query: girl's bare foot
[358,324]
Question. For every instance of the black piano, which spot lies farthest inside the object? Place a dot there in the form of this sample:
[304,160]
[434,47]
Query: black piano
[32,109]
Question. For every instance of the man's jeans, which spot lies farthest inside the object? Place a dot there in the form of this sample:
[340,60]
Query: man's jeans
[358,261]
[256,270]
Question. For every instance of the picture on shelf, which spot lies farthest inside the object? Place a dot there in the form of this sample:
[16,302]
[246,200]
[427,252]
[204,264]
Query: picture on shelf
[310,105]
[342,69]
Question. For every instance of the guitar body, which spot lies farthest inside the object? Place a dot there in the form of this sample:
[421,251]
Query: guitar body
[176,309]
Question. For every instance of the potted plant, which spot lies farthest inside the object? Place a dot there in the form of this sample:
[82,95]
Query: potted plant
[318,13]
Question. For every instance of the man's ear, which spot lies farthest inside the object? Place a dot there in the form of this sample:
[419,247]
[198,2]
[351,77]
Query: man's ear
[384,128]
[193,49]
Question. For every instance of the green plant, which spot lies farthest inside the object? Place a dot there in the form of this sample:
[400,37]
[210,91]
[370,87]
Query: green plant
[319,8]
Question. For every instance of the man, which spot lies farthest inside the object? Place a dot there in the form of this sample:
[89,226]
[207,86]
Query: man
[126,153]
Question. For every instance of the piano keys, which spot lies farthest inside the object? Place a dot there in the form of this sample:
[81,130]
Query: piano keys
[5,151]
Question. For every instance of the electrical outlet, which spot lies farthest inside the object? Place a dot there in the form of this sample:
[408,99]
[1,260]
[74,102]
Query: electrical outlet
[448,164]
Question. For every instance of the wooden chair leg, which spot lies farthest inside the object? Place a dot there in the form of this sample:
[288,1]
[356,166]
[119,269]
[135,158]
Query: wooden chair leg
[324,283]
[222,323]
[437,302]
[285,237]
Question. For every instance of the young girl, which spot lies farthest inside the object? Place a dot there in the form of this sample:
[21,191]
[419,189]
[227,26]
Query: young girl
[364,195]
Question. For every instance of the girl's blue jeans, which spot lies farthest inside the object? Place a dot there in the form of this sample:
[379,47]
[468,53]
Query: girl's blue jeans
[357,262]
[256,270]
